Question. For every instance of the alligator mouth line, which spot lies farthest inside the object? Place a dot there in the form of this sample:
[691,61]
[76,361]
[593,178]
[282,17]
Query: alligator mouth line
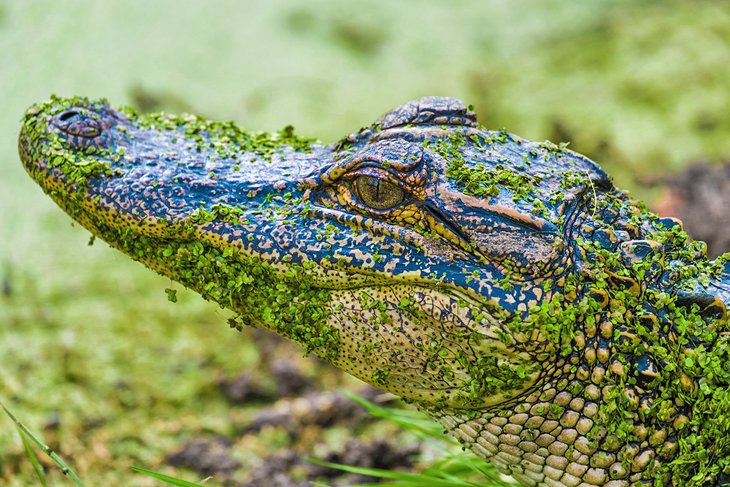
[163,233]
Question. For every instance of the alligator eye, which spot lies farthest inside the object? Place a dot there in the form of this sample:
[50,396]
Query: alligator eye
[377,193]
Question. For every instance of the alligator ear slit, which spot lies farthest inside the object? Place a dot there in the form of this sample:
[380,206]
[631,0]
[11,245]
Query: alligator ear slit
[438,215]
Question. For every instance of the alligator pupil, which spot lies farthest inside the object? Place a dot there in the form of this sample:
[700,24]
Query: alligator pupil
[377,193]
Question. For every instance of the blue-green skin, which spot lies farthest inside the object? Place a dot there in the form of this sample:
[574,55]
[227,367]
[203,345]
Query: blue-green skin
[552,324]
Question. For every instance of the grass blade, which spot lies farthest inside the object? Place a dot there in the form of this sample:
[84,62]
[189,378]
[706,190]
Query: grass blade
[33,458]
[406,478]
[65,469]
[166,478]
[410,420]
[454,467]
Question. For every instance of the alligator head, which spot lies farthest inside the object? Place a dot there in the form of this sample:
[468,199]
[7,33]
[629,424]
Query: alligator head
[504,286]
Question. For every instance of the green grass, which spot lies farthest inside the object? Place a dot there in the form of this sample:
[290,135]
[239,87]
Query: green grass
[26,435]
[452,466]
[450,469]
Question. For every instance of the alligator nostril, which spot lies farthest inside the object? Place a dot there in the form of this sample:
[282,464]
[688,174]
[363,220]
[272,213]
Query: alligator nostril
[78,122]
[68,115]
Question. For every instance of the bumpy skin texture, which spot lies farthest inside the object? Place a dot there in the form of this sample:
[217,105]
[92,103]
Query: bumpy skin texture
[506,287]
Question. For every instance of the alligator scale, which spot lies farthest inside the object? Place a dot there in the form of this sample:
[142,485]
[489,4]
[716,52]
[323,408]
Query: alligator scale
[550,323]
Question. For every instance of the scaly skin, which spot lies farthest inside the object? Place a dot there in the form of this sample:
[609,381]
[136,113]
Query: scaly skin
[553,325]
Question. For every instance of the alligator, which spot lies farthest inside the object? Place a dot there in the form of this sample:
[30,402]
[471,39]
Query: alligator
[552,324]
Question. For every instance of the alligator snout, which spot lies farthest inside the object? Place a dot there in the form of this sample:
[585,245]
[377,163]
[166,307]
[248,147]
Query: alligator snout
[66,142]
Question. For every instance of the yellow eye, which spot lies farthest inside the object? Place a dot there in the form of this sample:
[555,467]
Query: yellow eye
[377,193]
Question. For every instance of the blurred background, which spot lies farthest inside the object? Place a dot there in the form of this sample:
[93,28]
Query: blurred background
[92,354]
